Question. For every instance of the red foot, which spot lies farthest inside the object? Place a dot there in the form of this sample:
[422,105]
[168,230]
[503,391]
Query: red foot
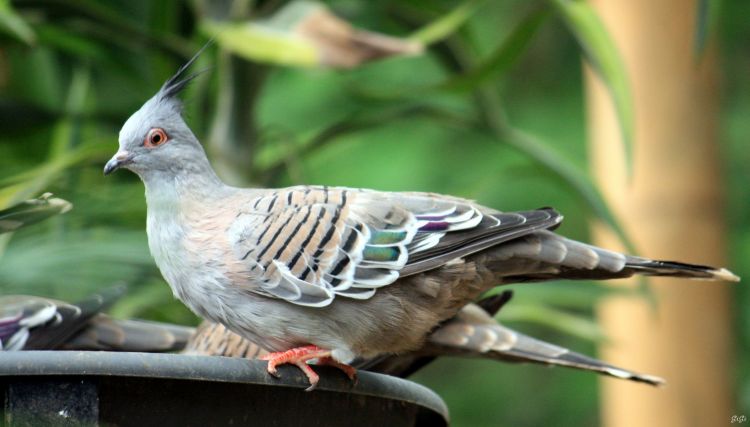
[299,357]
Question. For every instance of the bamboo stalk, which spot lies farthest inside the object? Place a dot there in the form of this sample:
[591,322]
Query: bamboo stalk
[672,208]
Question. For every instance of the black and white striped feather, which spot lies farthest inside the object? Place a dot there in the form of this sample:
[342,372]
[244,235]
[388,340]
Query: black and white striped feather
[311,244]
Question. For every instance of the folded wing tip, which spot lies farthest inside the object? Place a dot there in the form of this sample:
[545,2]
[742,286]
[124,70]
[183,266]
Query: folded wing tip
[633,376]
[726,275]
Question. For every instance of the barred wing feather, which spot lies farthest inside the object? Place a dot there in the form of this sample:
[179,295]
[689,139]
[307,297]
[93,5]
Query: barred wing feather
[311,244]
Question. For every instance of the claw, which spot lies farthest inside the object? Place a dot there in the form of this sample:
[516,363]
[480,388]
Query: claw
[311,375]
[273,371]
[272,363]
[350,371]
[300,356]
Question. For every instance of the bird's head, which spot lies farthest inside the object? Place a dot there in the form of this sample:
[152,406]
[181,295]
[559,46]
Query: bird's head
[156,140]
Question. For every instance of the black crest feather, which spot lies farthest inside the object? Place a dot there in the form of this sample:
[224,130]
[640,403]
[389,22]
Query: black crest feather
[180,80]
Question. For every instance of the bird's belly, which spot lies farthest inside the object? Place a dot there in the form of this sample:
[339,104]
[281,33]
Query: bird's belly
[365,328]
[196,278]
[191,282]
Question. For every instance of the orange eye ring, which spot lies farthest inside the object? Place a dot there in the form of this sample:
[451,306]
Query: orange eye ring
[155,138]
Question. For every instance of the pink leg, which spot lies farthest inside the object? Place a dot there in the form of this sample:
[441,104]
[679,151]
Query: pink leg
[299,357]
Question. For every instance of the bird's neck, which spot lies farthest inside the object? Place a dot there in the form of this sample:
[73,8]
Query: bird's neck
[166,190]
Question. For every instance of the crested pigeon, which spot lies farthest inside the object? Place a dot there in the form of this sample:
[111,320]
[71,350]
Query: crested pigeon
[330,273]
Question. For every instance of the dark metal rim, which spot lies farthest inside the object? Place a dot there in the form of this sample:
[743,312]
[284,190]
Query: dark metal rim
[211,368]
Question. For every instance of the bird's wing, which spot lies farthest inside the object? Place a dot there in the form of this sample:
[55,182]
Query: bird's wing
[19,314]
[35,323]
[105,333]
[308,245]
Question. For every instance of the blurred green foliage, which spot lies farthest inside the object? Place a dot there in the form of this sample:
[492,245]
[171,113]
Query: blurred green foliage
[492,110]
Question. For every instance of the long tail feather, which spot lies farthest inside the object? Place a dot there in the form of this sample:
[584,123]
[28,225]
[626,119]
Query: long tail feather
[527,349]
[543,255]
[680,269]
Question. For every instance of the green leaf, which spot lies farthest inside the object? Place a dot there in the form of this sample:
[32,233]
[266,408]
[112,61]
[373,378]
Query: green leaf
[11,23]
[505,55]
[260,43]
[121,28]
[578,295]
[64,149]
[497,124]
[601,53]
[22,186]
[80,46]
[447,24]
[4,240]
[552,161]
[76,259]
[66,131]
[497,62]
[271,163]
[580,326]
[31,212]
[142,298]
[307,34]
[705,21]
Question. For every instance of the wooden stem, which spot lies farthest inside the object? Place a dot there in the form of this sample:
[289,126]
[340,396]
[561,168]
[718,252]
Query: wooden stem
[672,209]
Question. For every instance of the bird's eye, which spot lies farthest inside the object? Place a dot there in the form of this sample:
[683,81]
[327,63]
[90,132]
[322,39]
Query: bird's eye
[155,138]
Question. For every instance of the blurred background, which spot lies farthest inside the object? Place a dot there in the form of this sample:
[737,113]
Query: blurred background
[516,104]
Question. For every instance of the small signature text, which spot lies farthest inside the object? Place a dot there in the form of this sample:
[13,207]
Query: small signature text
[739,419]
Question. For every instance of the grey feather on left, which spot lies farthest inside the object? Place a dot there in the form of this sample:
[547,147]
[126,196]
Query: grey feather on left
[107,334]
[32,323]
[36,323]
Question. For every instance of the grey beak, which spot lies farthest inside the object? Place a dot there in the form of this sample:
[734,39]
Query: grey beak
[120,159]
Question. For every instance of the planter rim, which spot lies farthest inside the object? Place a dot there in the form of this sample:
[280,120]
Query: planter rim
[211,368]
